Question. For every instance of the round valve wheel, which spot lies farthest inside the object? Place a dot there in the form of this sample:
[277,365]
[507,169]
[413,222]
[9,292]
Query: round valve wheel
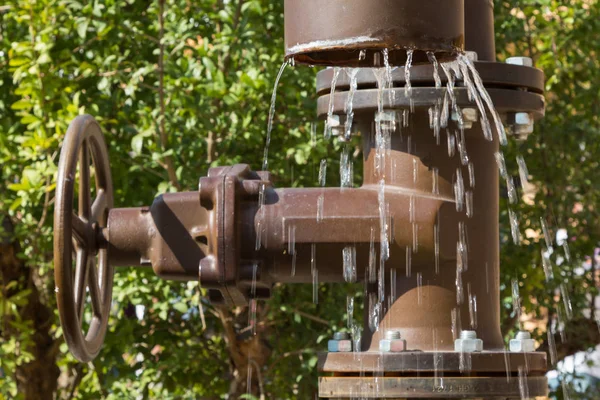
[81,267]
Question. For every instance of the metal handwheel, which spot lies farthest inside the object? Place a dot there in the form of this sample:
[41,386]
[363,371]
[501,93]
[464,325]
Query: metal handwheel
[81,266]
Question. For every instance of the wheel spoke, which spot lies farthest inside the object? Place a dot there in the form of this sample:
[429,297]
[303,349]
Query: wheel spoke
[79,286]
[80,229]
[99,206]
[84,182]
[95,291]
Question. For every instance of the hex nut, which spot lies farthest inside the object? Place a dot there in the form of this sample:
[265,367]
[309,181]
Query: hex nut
[392,346]
[339,346]
[522,343]
[469,116]
[524,61]
[468,342]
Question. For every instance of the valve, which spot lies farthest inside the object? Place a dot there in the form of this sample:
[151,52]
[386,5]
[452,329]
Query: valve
[81,265]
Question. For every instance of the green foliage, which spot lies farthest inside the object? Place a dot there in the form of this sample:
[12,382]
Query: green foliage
[61,58]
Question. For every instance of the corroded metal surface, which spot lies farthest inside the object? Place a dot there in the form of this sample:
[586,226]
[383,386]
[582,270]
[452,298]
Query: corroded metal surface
[431,387]
[334,32]
[83,158]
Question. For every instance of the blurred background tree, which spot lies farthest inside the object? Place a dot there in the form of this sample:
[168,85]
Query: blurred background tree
[179,86]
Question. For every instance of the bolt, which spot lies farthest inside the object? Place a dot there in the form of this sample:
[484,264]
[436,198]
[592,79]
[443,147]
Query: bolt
[522,343]
[524,61]
[468,342]
[393,342]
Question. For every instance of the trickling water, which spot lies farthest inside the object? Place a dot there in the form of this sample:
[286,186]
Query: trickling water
[372,258]
[350,310]
[408,261]
[346,169]
[523,387]
[473,93]
[374,312]
[552,346]
[415,237]
[567,251]
[469,203]
[323,173]
[384,243]
[523,172]
[458,280]
[564,294]
[320,202]
[486,97]
[513,197]
[462,147]
[436,245]
[265,166]
[451,144]
[352,74]
[407,85]
[547,236]
[419,288]
[463,245]
[459,191]
[329,121]
[436,71]
[514,226]
[471,169]
[547,266]
[501,164]
[516,300]
[472,308]
[456,322]
[349,261]
[435,177]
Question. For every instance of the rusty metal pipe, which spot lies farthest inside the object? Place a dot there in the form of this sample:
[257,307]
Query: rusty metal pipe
[335,32]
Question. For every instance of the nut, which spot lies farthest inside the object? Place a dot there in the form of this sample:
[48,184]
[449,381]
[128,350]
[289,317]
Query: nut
[468,342]
[340,343]
[524,61]
[393,342]
[469,115]
[522,343]
[521,122]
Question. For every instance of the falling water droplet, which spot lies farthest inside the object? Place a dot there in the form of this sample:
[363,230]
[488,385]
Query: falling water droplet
[320,202]
[501,164]
[471,168]
[435,177]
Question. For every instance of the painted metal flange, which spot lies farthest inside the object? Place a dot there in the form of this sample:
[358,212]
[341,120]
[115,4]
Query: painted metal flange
[409,362]
[493,74]
[505,100]
[377,387]
[444,374]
